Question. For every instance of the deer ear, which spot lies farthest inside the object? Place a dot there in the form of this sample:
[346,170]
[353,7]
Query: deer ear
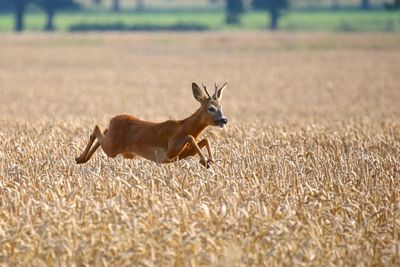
[220,91]
[198,93]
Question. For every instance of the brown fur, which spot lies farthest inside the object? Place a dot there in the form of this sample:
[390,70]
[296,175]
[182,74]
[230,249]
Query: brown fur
[160,142]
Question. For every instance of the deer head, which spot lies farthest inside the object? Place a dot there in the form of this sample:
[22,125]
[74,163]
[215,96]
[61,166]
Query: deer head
[210,105]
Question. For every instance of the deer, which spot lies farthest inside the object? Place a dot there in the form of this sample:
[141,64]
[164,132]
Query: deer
[163,142]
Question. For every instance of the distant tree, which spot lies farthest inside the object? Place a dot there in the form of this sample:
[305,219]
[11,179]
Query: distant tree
[50,7]
[6,5]
[234,8]
[392,5]
[139,5]
[273,7]
[365,4]
[335,4]
[19,12]
[116,6]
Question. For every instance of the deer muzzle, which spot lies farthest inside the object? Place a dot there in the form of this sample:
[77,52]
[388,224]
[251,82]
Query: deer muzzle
[221,122]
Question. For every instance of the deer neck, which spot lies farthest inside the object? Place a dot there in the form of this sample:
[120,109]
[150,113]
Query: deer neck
[194,124]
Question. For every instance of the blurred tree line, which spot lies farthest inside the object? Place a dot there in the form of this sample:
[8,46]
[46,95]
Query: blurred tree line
[234,8]
[50,7]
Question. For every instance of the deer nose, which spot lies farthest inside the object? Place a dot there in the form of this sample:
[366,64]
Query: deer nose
[223,121]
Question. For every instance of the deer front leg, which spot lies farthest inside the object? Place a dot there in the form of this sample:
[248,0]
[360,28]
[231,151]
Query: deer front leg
[207,144]
[191,151]
[176,148]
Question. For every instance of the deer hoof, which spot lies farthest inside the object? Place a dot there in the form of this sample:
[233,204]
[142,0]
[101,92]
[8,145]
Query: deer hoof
[78,160]
[206,163]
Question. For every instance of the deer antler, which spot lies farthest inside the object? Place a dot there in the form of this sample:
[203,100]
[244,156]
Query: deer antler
[224,84]
[206,90]
[217,93]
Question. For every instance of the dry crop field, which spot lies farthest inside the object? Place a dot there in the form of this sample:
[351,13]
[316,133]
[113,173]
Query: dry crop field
[308,169]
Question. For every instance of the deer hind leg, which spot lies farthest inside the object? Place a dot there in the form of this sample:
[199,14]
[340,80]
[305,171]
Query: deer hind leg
[96,146]
[88,152]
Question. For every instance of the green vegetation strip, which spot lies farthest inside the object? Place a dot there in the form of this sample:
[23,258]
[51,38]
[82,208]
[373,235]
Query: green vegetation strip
[201,20]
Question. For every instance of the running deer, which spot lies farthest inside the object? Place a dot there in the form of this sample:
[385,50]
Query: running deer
[161,142]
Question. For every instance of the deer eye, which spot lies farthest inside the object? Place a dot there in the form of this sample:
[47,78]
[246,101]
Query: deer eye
[211,109]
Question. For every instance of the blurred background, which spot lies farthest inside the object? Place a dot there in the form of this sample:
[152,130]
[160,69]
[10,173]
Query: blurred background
[199,15]
[308,169]
[308,59]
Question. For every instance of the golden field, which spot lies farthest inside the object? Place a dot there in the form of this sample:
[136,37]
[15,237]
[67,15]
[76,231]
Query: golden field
[308,170]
